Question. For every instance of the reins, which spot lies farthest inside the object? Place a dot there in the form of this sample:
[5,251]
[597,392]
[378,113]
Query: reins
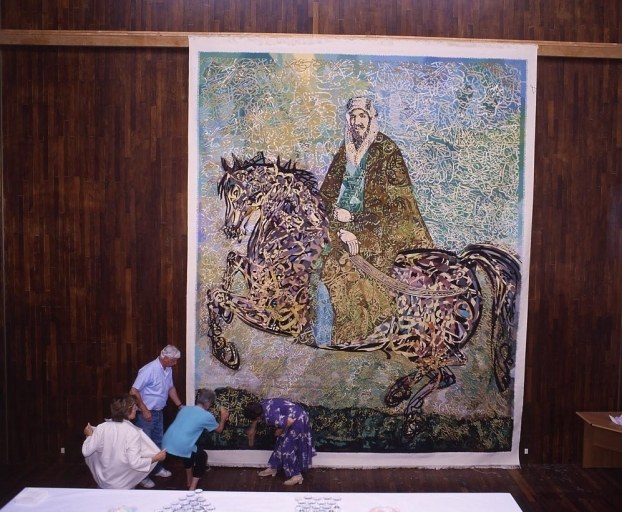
[398,286]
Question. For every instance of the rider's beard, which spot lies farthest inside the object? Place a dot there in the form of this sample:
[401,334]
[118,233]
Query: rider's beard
[358,135]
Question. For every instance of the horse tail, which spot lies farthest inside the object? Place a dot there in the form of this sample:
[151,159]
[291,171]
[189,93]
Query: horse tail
[503,269]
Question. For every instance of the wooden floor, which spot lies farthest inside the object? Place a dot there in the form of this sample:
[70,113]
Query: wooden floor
[536,488]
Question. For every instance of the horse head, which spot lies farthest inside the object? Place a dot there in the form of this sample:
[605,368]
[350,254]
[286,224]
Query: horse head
[242,187]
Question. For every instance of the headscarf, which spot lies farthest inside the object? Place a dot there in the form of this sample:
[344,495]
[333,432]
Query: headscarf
[353,154]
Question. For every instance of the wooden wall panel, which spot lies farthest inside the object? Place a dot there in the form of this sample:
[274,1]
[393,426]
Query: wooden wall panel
[94,166]
[95,233]
[574,336]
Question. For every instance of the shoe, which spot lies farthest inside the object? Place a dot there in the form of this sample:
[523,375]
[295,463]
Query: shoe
[147,483]
[267,472]
[296,479]
[163,472]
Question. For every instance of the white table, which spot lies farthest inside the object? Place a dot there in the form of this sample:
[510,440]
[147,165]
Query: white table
[99,500]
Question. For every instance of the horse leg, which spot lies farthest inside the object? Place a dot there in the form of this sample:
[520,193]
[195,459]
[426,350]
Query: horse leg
[447,378]
[437,379]
[402,389]
[235,264]
[268,314]
[503,363]
[223,350]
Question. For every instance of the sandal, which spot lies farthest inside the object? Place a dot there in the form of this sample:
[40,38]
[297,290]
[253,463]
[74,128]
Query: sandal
[296,479]
[267,472]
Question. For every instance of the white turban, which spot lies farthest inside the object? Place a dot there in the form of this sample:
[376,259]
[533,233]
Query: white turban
[362,103]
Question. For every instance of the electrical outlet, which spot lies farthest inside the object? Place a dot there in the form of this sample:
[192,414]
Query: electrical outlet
[526,451]
[62,450]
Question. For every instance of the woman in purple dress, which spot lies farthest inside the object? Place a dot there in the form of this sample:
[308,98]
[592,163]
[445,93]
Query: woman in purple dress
[294,440]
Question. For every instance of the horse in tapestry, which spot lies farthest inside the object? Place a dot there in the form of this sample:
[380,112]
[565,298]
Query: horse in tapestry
[283,247]
[438,296]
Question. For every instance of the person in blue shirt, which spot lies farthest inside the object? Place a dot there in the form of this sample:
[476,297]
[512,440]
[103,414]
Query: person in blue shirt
[152,389]
[180,439]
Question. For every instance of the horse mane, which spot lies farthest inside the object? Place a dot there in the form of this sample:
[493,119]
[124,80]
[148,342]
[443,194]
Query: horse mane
[288,168]
[302,175]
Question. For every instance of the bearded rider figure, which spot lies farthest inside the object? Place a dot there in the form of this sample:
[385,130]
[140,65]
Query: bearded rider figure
[370,202]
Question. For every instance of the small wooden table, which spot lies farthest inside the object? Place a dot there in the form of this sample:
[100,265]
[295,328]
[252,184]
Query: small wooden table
[602,440]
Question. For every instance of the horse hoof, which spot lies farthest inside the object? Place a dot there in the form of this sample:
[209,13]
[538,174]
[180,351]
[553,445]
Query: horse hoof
[226,353]
[398,392]
[412,425]
[393,401]
[227,316]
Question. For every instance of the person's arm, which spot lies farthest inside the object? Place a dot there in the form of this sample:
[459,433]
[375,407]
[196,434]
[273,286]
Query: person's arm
[250,432]
[92,441]
[159,457]
[224,416]
[134,452]
[141,405]
[280,431]
[172,394]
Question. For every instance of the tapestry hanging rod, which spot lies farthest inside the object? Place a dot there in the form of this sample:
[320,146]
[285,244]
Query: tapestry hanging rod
[10,37]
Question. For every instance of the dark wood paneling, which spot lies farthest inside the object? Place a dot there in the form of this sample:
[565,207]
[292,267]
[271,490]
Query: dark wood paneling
[573,358]
[95,173]
[556,20]
[94,165]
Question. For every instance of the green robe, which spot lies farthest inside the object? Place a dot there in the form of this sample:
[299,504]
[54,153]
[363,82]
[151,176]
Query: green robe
[388,222]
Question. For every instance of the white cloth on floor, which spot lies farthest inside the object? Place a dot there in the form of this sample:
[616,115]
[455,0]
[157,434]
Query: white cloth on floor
[119,454]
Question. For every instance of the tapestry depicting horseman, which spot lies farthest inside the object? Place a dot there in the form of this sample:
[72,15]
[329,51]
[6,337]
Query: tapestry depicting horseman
[369,262]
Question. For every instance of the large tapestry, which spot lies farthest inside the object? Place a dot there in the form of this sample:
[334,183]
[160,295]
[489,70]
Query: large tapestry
[359,225]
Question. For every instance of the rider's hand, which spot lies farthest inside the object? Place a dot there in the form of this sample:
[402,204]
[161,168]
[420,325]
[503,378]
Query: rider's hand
[342,215]
[350,240]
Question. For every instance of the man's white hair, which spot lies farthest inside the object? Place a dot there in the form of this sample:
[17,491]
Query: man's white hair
[170,351]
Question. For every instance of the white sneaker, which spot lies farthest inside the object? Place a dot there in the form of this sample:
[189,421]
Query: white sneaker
[147,483]
[164,473]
